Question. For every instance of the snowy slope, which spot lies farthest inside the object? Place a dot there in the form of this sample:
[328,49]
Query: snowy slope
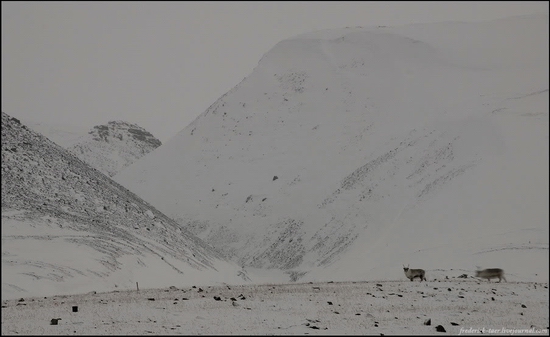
[67,228]
[347,153]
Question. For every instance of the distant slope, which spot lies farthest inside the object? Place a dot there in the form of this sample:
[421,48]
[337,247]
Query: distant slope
[67,228]
[112,147]
[347,153]
[108,148]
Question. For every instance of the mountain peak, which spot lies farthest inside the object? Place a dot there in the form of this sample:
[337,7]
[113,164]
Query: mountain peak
[113,146]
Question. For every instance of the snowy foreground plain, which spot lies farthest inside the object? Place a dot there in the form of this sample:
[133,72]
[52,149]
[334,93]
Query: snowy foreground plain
[461,306]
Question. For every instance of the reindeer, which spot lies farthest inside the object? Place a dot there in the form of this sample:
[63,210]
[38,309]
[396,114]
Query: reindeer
[412,273]
[491,273]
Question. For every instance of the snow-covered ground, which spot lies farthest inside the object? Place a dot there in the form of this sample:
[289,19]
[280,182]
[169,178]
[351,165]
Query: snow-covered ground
[460,306]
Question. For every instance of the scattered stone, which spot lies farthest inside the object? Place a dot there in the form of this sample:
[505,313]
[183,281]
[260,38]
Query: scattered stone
[217,298]
[523,306]
[428,321]
[455,324]
[440,328]
[54,321]
[151,299]
[329,302]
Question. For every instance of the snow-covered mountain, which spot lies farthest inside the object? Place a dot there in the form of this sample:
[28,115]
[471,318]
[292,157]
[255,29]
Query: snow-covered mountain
[347,153]
[109,147]
[68,228]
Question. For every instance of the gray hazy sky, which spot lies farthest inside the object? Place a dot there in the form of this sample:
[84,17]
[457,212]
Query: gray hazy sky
[161,64]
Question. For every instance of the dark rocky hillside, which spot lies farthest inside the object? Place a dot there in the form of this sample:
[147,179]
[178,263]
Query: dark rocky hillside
[47,188]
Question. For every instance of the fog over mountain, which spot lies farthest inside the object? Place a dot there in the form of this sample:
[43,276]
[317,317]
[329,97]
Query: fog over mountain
[347,153]
[60,133]
[67,228]
[108,148]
